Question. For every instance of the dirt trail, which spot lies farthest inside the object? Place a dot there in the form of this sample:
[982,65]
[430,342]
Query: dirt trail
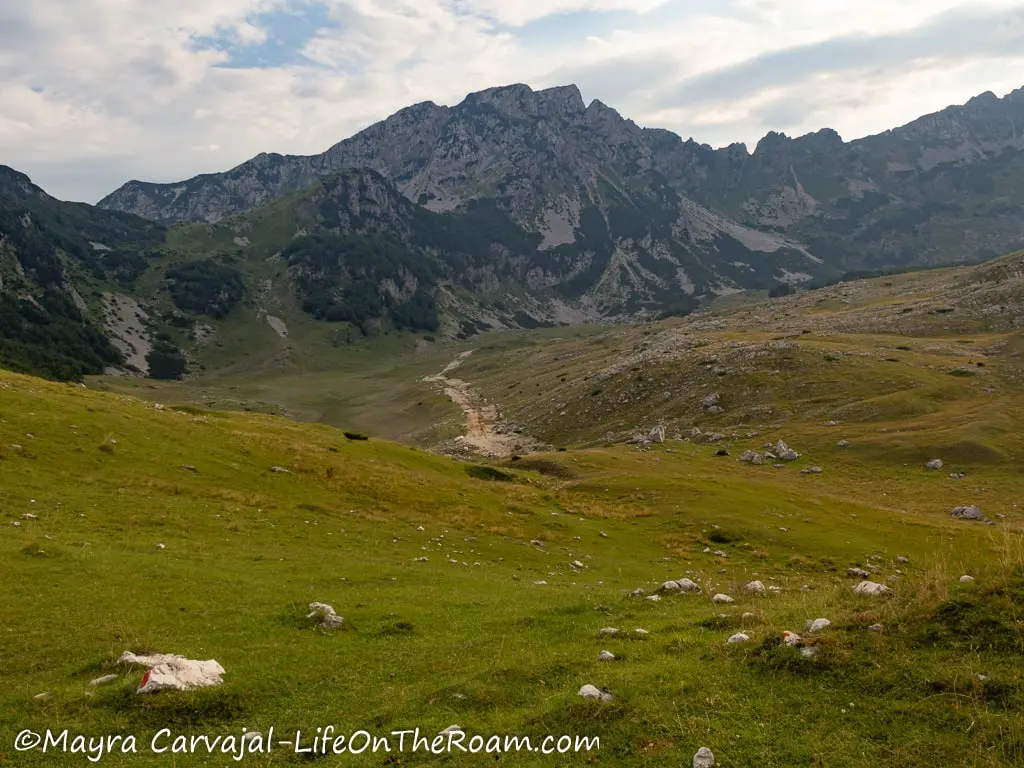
[483,420]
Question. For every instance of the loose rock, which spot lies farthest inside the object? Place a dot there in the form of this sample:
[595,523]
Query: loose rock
[739,637]
[870,588]
[174,673]
[756,587]
[704,758]
[720,598]
[970,512]
[818,624]
[966,579]
[593,692]
[606,656]
[934,464]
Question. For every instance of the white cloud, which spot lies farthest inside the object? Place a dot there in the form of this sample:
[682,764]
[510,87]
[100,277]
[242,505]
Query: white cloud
[126,92]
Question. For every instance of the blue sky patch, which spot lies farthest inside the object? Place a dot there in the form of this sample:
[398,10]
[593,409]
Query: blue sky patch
[287,31]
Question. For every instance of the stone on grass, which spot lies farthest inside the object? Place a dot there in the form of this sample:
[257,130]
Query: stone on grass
[168,672]
[934,464]
[577,565]
[704,758]
[328,618]
[279,470]
[756,587]
[670,586]
[451,729]
[792,639]
[902,559]
[818,624]
[751,457]
[606,656]
[811,471]
[784,452]
[640,631]
[653,598]
[875,628]
[843,444]
[966,579]
[969,512]
[739,637]
[593,692]
[870,588]
[720,598]
[857,573]
[809,652]
[608,631]
[686,585]
[103,680]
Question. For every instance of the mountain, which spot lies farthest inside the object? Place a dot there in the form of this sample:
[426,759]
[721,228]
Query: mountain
[55,260]
[942,189]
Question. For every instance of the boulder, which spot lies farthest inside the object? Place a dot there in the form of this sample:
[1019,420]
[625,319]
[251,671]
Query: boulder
[658,434]
[739,637]
[686,585]
[755,587]
[969,512]
[751,457]
[870,588]
[593,692]
[817,625]
[720,598]
[704,758]
[784,452]
[328,618]
[670,586]
[168,672]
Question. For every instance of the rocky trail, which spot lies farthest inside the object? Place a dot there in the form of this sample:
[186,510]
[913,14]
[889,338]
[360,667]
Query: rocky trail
[486,432]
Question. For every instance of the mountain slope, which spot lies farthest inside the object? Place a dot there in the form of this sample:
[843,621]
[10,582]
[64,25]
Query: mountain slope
[55,259]
[941,189]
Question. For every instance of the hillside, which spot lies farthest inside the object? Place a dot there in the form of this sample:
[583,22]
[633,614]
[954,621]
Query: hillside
[130,526]
[941,189]
[56,259]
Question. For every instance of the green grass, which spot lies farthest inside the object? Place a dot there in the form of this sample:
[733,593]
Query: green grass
[434,643]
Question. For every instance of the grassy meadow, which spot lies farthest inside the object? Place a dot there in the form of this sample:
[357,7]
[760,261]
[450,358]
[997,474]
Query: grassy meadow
[469,637]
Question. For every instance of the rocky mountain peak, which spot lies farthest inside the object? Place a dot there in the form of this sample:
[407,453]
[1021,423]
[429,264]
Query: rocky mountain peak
[519,100]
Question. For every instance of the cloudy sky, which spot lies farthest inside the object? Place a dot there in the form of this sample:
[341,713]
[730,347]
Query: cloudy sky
[96,92]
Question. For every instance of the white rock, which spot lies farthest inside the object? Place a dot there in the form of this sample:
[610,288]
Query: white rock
[875,628]
[809,652]
[720,598]
[818,624]
[857,573]
[670,586]
[704,758]
[756,587]
[966,579]
[739,637]
[103,680]
[641,631]
[168,672]
[328,618]
[420,528]
[279,470]
[934,464]
[592,692]
[686,585]
[251,736]
[792,639]
[420,560]
[451,729]
[540,583]
[870,588]
[606,656]
[653,598]
[608,631]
